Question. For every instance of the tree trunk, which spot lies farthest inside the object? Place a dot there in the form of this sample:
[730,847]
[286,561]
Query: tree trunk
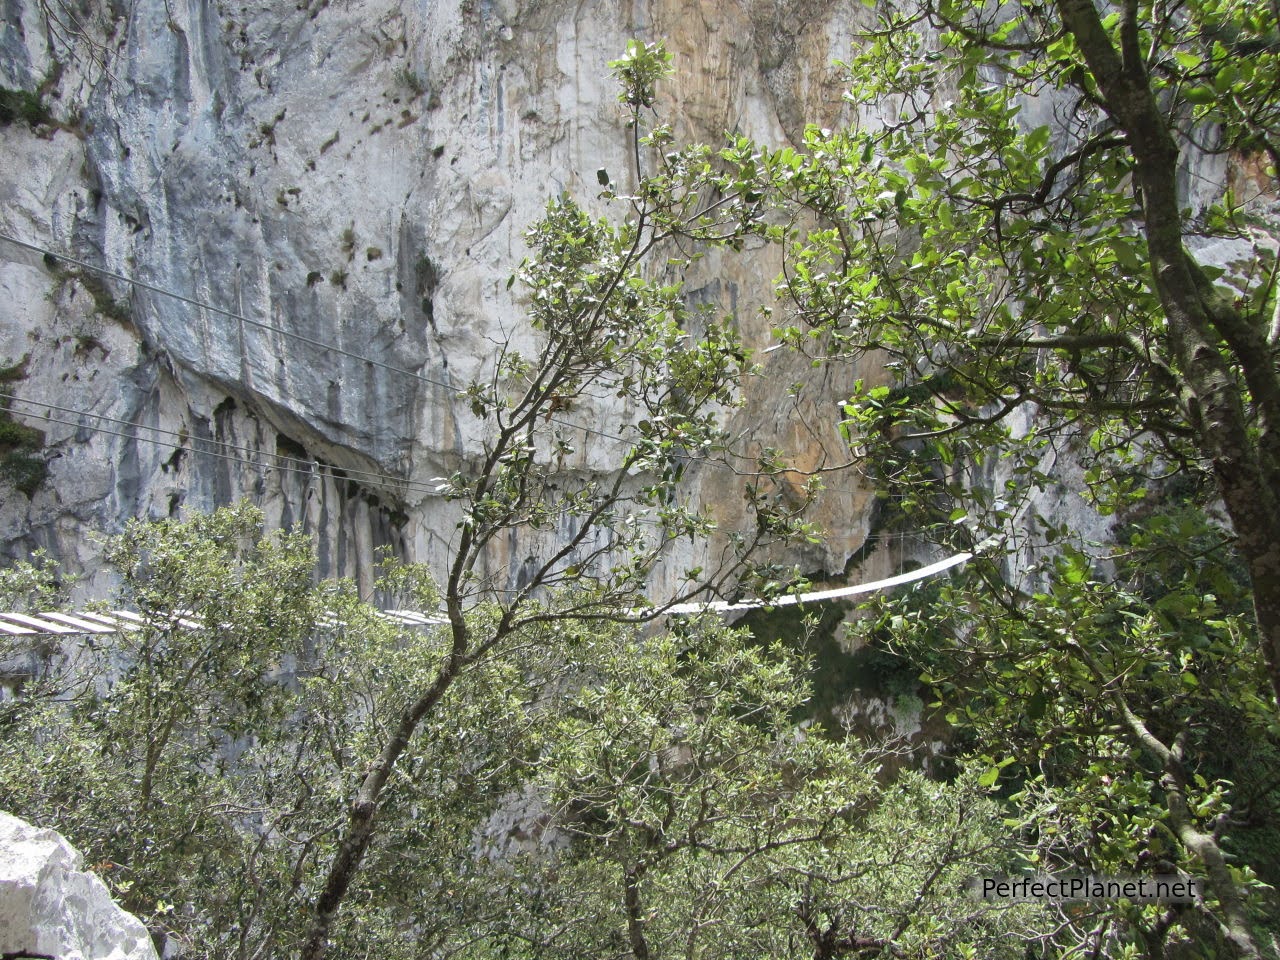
[1235,927]
[362,816]
[635,913]
[1247,470]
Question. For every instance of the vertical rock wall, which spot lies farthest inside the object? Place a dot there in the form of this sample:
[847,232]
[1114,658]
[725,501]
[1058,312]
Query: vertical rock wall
[358,174]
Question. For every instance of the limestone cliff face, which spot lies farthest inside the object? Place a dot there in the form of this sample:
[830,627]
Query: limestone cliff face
[358,173]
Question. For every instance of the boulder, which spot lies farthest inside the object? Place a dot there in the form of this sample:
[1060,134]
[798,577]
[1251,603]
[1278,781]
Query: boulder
[51,906]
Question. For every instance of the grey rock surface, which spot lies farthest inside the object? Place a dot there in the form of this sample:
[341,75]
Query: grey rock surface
[354,179]
[50,905]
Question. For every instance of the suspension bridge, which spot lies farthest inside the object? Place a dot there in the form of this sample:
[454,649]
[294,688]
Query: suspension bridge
[120,621]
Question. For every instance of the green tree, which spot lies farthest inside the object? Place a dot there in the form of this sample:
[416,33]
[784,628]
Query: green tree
[705,823]
[1006,224]
[604,328]
[206,769]
[1025,288]
[203,760]
[391,741]
[30,676]
[1010,222]
[1107,703]
[128,749]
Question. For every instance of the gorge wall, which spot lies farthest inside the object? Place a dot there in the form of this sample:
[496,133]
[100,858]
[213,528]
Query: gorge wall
[360,174]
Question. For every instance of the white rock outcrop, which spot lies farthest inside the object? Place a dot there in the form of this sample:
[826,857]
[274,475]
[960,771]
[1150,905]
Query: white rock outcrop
[50,905]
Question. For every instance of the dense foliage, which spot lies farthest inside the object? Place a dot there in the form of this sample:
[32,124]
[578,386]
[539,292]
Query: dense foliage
[661,797]
[1011,222]
[1015,224]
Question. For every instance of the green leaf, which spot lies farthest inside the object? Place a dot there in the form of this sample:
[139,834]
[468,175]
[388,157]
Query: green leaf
[1200,94]
[1126,254]
[1038,139]
[1187,59]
